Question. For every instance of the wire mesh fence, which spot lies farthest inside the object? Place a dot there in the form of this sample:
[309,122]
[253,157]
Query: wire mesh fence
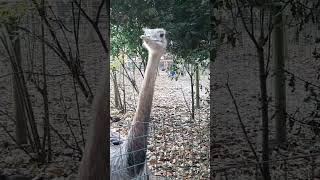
[119,152]
[177,146]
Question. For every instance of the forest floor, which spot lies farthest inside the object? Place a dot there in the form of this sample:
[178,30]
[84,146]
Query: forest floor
[232,156]
[63,114]
[178,146]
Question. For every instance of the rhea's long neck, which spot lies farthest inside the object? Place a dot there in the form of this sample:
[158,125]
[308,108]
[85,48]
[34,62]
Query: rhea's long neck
[137,139]
[143,111]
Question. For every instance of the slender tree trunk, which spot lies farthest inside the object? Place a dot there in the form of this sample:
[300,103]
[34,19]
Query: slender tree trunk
[264,113]
[134,70]
[197,87]
[280,80]
[47,136]
[116,90]
[212,111]
[117,98]
[192,98]
[192,92]
[22,90]
[124,86]
[21,124]
[91,35]
[107,3]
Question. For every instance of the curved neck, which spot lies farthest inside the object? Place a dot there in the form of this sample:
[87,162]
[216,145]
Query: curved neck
[137,139]
[143,111]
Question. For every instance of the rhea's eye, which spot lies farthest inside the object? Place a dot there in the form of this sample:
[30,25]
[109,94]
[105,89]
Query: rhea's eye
[161,35]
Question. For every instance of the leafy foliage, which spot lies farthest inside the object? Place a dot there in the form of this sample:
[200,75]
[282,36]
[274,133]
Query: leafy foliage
[12,14]
[186,21]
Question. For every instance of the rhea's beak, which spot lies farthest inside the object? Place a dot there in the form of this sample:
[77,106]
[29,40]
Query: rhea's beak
[143,36]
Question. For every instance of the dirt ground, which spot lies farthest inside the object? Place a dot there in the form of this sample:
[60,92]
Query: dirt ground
[178,146]
[230,149]
[62,106]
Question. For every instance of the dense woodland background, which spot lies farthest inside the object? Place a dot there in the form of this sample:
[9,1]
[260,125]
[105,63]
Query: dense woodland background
[264,87]
[52,56]
[179,137]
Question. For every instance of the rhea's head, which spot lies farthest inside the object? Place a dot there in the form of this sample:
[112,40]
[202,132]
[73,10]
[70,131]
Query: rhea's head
[154,40]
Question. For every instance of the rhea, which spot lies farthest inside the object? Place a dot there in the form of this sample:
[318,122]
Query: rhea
[127,157]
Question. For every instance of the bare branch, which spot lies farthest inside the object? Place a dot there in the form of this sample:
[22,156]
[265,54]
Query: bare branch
[99,11]
[242,124]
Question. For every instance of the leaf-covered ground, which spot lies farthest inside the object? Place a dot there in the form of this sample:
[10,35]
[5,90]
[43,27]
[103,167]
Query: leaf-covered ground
[230,151]
[63,113]
[178,146]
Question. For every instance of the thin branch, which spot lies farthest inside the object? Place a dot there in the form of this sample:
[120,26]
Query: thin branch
[99,11]
[95,26]
[184,97]
[50,45]
[251,35]
[63,140]
[35,73]
[301,79]
[78,112]
[242,124]
[62,101]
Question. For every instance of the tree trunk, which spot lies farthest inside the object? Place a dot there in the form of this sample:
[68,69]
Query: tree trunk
[197,87]
[192,93]
[264,113]
[91,34]
[44,92]
[21,126]
[21,89]
[117,98]
[116,90]
[212,110]
[279,78]
[124,86]
[134,70]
